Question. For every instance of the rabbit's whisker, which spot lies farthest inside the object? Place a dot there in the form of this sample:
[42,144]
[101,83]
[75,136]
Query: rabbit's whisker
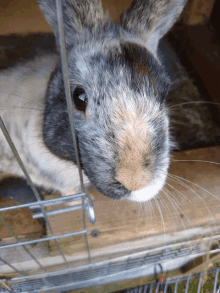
[23,98]
[15,107]
[195,102]
[202,161]
[176,207]
[181,194]
[178,179]
[161,215]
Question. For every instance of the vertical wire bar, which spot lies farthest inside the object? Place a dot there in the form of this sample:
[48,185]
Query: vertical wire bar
[151,287]
[84,226]
[157,287]
[67,84]
[200,282]
[69,106]
[187,284]
[140,289]
[166,286]
[14,150]
[215,281]
[176,286]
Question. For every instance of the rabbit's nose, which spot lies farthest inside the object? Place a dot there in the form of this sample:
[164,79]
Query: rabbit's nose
[133,179]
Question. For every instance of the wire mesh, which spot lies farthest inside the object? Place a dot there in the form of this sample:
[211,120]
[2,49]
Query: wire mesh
[182,284]
[116,269]
[92,276]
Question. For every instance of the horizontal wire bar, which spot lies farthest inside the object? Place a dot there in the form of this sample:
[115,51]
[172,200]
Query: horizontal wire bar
[58,211]
[49,202]
[106,262]
[43,239]
[149,286]
[57,201]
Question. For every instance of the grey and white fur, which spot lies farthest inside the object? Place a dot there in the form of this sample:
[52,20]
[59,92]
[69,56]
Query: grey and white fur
[119,89]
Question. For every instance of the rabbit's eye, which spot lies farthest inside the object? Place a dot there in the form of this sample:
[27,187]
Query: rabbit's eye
[80,99]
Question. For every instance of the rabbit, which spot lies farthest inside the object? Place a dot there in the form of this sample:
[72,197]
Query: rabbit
[118,86]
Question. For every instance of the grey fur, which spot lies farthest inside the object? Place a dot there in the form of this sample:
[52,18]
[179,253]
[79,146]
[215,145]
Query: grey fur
[123,79]
[152,19]
[79,15]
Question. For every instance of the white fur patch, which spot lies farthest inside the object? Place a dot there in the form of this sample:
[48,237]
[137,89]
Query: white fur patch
[22,94]
[150,191]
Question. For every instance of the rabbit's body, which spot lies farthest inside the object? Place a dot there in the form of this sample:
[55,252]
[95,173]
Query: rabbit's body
[119,89]
[22,98]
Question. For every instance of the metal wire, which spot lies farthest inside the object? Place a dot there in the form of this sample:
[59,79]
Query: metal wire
[58,201]
[58,211]
[215,281]
[175,281]
[67,85]
[187,284]
[69,106]
[49,202]
[91,275]
[12,267]
[43,239]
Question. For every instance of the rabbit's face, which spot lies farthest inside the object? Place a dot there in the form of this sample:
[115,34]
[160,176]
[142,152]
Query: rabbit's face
[118,89]
[120,119]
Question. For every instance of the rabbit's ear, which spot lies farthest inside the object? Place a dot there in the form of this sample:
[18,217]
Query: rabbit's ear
[77,16]
[152,19]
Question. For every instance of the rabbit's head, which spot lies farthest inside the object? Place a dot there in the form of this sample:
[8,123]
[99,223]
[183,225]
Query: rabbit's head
[119,90]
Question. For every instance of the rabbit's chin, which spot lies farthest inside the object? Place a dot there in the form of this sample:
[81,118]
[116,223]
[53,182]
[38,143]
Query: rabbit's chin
[148,192]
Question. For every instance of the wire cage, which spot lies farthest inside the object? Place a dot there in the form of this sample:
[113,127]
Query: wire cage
[114,269]
[180,284]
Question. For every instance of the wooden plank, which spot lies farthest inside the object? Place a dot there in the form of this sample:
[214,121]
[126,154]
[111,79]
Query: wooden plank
[120,223]
[20,220]
[203,52]
[24,16]
[197,11]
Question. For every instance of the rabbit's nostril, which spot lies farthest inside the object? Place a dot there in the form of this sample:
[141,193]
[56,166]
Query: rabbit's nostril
[120,186]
